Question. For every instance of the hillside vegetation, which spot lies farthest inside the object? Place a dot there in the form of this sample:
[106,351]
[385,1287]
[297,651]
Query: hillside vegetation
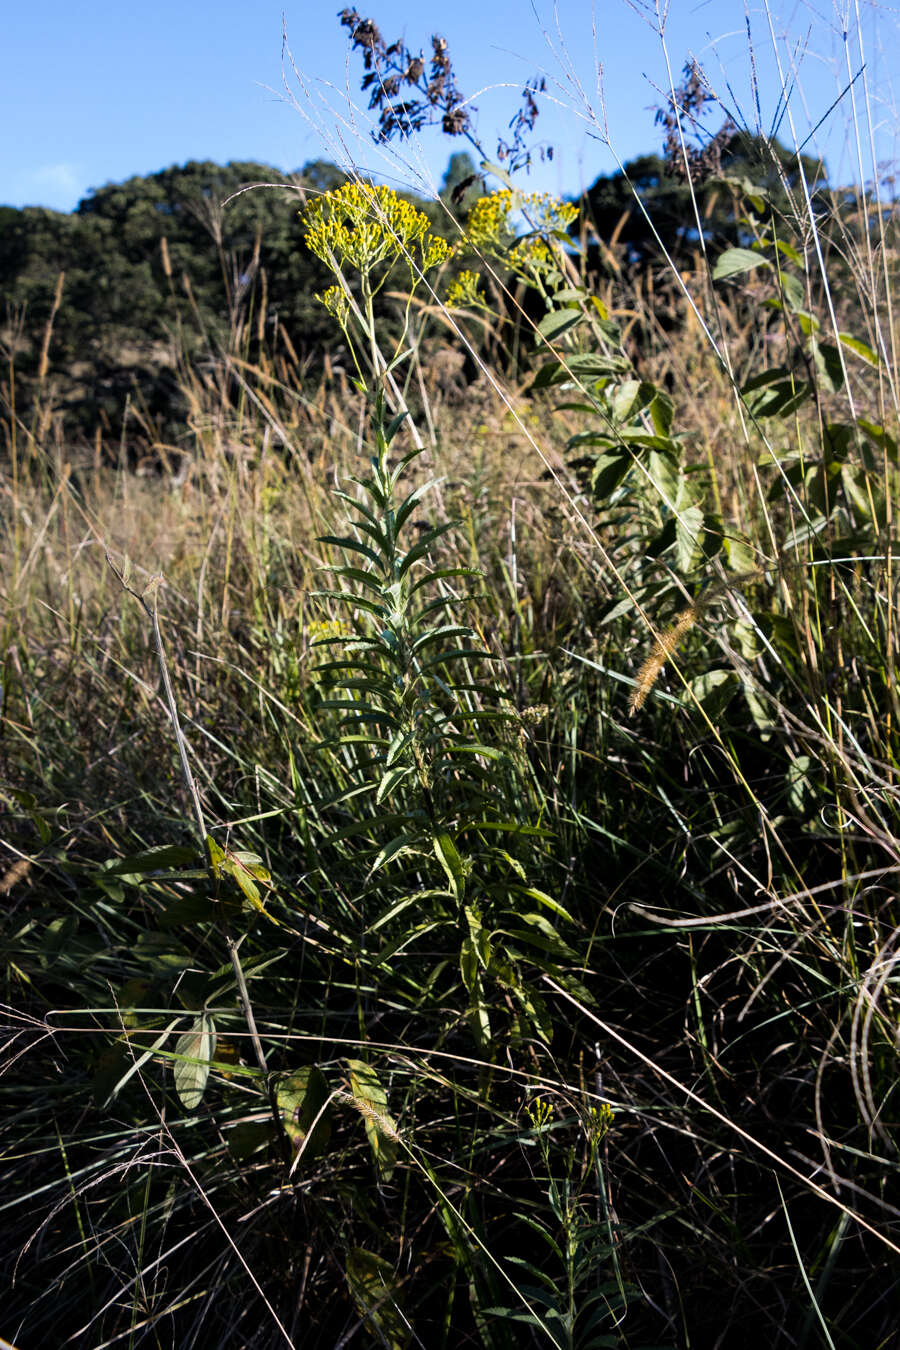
[449,728]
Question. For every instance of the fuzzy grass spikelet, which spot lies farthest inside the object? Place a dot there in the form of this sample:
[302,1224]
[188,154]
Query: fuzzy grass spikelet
[662,650]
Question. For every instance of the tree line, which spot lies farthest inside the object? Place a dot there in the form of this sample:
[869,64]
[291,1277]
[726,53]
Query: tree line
[95,297]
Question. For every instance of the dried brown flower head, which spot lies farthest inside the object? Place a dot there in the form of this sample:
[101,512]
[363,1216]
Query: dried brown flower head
[410,94]
[681,118]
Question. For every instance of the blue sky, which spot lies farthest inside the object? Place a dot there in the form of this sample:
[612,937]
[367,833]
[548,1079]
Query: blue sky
[95,92]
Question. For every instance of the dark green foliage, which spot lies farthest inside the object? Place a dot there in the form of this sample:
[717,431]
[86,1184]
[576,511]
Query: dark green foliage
[123,323]
[648,206]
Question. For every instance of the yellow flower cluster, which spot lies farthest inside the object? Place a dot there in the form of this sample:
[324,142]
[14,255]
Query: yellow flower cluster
[540,1113]
[326,630]
[337,304]
[489,220]
[463,293]
[601,1119]
[362,225]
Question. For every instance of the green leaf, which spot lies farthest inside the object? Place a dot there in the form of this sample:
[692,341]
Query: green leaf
[354,546]
[687,536]
[586,365]
[371,1100]
[883,439]
[664,473]
[608,473]
[557,322]
[794,291]
[714,691]
[395,848]
[488,166]
[828,363]
[392,779]
[411,503]
[735,261]
[448,857]
[394,425]
[547,900]
[152,860]
[186,910]
[423,546]
[247,1137]
[775,393]
[662,412]
[740,555]
[198,1046]
[863,491]
[626,401]
[302,1100]
[479,936]
[860,349]
[376,1293]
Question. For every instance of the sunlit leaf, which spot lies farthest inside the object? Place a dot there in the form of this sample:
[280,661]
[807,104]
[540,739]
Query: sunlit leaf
[198,1046]
[371,1100]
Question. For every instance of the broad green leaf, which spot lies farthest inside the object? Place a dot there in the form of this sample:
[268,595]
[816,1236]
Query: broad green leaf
[394,425]
[391,780]
[740,555]
[662,412]
[302,1100]
[794,291]
[444,631]
[664,473]
[759,711]
[371,1101]
[801,785]
[556,323]
[608,473]
[394,911]
[488,166]
[883,439]
[161,952]
[756,196]
[192,908]
[422,548]
[735,261]
[828,363]
[395,848]
[714,691]
[865,494]
[626,402]
[409,505]
[198,1046]
[376,1293]
[248,1137]
[479,1021]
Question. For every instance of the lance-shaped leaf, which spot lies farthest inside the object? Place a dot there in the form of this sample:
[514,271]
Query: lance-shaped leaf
[197,1047]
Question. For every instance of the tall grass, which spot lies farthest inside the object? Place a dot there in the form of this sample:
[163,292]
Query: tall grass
[517,957]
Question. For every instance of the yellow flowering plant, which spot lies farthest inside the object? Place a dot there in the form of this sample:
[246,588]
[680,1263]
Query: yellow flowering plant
[369,229]
[533,255]
[409,693]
